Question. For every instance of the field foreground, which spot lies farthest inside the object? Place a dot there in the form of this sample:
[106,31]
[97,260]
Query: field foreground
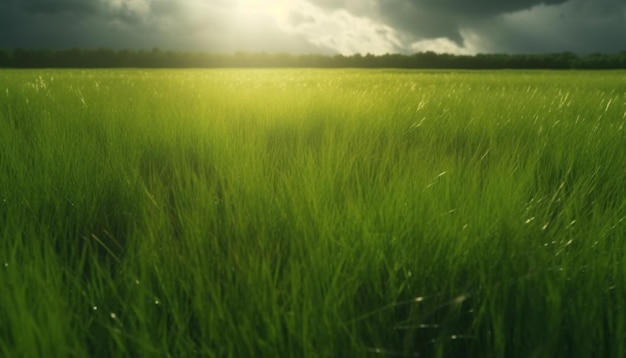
[306,213]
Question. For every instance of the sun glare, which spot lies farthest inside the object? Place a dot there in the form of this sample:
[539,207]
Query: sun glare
[256,25]
[275,7]
[250,13]
[255,22]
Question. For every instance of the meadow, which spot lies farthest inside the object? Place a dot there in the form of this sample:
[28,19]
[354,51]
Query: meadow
[312,213]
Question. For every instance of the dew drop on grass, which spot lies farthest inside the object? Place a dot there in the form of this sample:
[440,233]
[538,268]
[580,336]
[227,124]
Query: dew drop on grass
[95,308]
[460,299]
[571,224]
[157,302]
[113,315]
[460,336]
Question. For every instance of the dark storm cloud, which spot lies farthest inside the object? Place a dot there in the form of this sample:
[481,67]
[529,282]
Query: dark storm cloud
[56,6]
[40,23]
[423,19]
[582,26]
[465,26]
[196,25]
[458,9]
[479,8]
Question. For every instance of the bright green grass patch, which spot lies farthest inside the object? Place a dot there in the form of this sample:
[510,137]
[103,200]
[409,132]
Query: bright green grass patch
[289,213]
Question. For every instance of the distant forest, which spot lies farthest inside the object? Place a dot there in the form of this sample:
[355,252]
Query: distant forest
[155,58]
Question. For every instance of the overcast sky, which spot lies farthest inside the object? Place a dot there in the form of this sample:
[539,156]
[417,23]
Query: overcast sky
[318,26]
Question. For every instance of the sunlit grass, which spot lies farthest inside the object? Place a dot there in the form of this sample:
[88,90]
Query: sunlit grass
[312,213]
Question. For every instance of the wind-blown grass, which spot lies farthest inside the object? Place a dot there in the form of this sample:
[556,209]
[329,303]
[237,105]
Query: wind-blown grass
[312,213]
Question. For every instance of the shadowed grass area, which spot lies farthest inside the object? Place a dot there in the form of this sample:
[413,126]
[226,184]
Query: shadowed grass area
[312,213]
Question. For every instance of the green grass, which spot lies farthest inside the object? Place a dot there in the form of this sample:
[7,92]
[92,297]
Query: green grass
[311,213]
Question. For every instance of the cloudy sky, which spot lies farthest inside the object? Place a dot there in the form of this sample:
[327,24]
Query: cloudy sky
[318,26]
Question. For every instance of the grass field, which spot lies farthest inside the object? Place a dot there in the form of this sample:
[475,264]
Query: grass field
[312,213]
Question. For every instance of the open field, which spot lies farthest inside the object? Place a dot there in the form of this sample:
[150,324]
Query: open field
[312,213]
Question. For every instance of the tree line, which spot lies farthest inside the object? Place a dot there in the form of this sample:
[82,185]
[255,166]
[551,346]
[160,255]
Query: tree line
[155,58]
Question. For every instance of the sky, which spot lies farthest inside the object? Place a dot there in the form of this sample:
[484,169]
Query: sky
[318,26]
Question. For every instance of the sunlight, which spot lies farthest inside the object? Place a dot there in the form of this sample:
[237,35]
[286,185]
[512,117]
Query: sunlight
[339,30]
[249,14]
[275,7]
[253,22]
[265,22]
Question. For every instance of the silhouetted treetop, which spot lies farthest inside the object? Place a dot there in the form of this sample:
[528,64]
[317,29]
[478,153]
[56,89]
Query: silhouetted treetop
[156,58]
